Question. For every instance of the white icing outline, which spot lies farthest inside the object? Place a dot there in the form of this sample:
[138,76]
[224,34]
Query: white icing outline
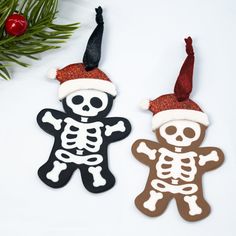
[71,86]
[178,114]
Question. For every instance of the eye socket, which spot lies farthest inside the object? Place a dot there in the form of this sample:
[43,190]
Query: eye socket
[170,130]
[77,99]
[96,102]
[189,132]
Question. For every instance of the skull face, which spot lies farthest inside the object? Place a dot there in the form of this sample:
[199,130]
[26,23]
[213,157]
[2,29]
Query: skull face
[87,103]
[180,133]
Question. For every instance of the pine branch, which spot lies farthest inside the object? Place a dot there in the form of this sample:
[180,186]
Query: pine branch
[42,33]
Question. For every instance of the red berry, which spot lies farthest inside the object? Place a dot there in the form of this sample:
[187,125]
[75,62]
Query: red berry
[16,24]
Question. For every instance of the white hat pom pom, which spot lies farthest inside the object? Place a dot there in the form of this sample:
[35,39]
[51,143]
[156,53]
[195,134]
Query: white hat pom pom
[145,104]
[52,73]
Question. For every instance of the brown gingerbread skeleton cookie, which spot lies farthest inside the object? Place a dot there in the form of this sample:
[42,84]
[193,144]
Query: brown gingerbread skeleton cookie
[177,162]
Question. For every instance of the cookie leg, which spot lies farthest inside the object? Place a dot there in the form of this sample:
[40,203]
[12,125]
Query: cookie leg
[192,207]
[97,179]
[152,202]
[55,173]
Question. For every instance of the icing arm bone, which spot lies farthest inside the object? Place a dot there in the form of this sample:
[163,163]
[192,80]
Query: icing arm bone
[118,127]
[211,159]
[145,150]
[49,118]
[213,156]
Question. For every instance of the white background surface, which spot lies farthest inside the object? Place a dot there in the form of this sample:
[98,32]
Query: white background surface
[143,50]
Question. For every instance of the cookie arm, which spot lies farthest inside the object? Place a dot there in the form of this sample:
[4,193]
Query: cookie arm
[210,158]
[50,120]
[145,151]
[117,128]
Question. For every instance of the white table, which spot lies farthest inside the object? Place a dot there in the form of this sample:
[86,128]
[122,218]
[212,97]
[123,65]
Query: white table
[143,50]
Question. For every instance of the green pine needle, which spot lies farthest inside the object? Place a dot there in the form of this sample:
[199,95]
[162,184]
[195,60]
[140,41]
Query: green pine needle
[42,33]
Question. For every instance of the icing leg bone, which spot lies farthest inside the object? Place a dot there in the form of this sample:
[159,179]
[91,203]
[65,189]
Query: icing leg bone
[150,204]
[143,148]
[120,126]
[58,167]
[213,156]
[48,118]
[194,209]
[98,180]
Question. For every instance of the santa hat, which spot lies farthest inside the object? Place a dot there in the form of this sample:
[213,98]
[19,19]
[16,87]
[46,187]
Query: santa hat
[178,106]
[86,75]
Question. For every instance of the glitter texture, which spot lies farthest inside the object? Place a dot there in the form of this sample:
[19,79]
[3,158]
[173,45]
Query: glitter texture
[169,102]
[77,71]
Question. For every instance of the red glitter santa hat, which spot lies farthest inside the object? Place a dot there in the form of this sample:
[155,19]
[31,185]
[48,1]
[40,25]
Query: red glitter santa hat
[86,75]
[178,106]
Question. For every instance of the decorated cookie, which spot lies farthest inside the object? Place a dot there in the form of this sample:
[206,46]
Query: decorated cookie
[176,161]
[83,132]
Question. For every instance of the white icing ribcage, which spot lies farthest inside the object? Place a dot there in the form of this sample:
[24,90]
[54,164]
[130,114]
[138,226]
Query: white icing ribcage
[82,135]
[176,165]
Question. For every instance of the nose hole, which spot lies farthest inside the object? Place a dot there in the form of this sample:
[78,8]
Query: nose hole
[85,108]
[179,138]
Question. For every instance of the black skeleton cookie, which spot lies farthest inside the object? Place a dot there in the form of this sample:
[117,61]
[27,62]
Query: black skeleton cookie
[83,132]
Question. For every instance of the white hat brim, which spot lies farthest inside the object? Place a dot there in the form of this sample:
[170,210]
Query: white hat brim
[71,86]
[179,114]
